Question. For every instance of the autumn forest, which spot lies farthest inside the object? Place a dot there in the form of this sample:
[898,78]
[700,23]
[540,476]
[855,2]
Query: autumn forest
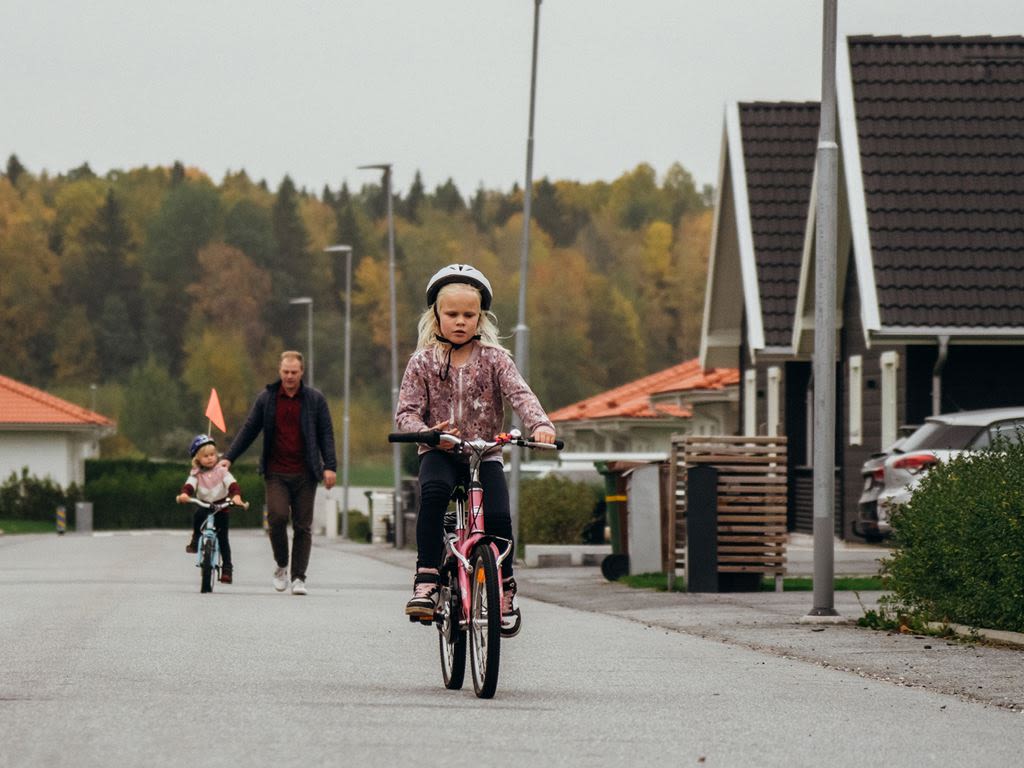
[137,291]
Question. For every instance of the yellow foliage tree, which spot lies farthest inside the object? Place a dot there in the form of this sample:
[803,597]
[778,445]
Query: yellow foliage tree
[217,359]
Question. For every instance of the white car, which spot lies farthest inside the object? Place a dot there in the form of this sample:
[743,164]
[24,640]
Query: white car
[890,478]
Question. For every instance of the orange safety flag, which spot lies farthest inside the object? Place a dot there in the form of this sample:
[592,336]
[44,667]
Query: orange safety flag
[213,412]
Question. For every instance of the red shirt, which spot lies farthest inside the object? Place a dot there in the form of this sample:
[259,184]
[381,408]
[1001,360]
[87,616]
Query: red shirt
[287,457]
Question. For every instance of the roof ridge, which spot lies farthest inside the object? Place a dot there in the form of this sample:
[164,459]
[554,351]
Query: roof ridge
[904,39]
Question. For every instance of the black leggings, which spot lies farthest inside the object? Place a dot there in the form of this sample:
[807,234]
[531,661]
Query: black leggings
[440,471]
[220,519]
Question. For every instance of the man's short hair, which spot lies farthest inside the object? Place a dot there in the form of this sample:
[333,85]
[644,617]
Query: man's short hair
[294,355]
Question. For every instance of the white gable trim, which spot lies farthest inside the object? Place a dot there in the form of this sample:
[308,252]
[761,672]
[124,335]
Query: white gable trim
[705,326]
[856,201]
[803,321]
[744,230]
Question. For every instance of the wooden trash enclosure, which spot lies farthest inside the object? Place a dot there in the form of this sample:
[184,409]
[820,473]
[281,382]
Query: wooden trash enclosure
[751,512]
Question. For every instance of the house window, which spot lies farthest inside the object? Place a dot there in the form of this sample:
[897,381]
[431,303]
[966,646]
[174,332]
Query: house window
[890,362]
[774,377]
[856,407]
[750,402]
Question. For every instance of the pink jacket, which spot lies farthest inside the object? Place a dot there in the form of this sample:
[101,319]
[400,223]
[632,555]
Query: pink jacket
[471,398]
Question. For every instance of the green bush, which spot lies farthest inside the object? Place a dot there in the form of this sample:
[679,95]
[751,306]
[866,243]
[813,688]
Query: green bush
[959,543]
[140,494]
[358,526]
[24,497]
[555,510]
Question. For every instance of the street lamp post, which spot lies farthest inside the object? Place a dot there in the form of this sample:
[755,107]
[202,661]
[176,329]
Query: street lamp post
[347,250]
[825,332]
[522,331]
[396,454]
[308,301]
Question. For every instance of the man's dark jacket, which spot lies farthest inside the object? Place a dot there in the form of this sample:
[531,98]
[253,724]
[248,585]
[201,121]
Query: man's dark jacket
[314,425]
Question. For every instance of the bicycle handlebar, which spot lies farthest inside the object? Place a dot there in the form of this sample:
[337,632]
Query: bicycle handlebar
[216,504]
[434,437]
[430,437]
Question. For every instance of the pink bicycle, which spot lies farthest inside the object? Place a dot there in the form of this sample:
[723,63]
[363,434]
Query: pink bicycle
[470,594]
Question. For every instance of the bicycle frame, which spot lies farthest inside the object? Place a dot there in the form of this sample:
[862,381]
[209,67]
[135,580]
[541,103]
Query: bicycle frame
[208,532]
[208,539]
[469,524]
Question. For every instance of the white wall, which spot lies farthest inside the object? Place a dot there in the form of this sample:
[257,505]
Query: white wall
[58,455]
[46,454]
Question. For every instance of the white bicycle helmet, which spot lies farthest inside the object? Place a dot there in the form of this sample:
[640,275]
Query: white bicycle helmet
[460,273]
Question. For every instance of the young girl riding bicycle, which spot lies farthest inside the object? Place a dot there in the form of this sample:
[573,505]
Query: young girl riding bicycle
[210,482]
[456,382]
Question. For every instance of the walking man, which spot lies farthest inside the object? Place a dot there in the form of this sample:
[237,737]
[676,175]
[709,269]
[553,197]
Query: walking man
[298,451]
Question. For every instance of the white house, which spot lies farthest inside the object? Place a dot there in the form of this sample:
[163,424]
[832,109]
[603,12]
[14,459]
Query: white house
[49,436]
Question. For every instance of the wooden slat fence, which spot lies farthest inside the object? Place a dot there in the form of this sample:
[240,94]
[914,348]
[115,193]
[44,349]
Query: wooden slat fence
[751,501]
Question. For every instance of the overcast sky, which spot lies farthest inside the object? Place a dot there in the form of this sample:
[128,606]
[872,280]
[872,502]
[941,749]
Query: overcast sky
[314,88]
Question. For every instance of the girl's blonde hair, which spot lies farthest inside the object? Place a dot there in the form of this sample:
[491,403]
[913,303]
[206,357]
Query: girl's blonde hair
[200,452]
[429,327]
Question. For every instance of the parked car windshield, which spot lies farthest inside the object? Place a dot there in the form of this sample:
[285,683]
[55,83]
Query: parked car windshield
[936,436]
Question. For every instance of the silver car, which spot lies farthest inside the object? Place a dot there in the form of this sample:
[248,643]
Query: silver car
[890,477]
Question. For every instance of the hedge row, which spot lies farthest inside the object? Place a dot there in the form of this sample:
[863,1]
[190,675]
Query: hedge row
[132,494]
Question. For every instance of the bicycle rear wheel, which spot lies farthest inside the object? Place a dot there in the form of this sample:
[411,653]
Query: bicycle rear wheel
[451,639]
[484,622]
[206,567]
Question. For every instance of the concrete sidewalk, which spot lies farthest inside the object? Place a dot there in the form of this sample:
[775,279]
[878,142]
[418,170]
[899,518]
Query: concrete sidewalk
[770,622]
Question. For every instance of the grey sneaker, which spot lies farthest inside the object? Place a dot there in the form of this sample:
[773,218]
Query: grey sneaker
[298,587]
[281,579]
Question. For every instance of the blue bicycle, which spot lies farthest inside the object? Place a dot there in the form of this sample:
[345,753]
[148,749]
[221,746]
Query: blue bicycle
[208,549]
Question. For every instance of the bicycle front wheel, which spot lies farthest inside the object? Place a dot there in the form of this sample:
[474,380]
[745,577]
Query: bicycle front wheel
[206,567]
[451,639]
[484,622]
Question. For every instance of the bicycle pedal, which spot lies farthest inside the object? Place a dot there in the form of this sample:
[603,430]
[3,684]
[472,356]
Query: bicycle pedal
[426,622]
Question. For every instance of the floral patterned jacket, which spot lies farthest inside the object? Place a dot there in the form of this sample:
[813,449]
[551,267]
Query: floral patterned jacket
[470,398]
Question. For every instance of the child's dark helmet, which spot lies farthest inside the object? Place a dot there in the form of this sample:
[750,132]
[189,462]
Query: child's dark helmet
[198,442]
[460,273]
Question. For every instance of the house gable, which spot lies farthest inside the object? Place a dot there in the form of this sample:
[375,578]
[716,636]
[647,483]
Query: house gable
[731,268]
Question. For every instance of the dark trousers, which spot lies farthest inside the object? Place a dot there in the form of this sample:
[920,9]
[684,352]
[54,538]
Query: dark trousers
[220,519]
[290,498]
[439,473]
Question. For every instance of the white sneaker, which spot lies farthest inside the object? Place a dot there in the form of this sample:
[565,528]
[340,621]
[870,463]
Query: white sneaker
[298,587]
[281,579]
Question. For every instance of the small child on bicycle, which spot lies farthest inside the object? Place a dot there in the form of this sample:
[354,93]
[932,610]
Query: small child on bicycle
[209,482]
[456,381]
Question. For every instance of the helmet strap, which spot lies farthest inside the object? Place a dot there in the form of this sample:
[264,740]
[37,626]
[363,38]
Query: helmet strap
[444,370]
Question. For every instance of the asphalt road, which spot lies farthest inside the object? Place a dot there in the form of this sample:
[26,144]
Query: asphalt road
[111,657]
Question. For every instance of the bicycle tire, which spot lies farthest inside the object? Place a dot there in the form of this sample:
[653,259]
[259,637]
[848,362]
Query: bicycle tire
[206,567]
[484,622]
[451,639]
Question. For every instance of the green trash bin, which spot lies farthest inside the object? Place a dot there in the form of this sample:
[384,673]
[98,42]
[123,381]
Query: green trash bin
[615,565]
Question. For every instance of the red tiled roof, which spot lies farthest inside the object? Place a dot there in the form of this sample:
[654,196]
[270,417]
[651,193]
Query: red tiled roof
[22,404]
[633,400]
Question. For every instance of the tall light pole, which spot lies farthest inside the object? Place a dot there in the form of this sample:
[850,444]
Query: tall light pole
[825,332]
[396,454]
[347,250]
[308,301]
[521,330]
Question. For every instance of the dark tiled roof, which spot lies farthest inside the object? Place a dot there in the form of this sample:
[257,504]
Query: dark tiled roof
[940,121]
[779,143]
